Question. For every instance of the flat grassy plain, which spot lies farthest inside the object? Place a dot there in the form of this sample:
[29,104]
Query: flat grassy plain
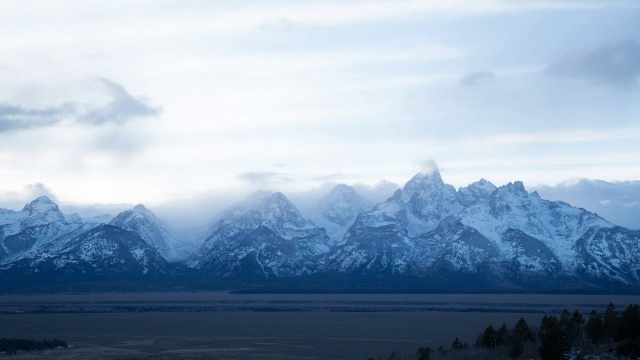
[218,325]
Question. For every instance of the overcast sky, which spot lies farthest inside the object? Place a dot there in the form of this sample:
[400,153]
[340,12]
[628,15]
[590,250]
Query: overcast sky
[162,101]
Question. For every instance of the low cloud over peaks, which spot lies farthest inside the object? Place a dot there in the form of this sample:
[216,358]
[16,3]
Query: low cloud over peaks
[428,166]
[612,64]
[263,177]
[618,202]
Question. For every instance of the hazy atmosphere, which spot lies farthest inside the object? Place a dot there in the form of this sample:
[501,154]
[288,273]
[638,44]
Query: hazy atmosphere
[184,106]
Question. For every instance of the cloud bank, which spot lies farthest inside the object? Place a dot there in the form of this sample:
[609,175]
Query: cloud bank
[618,202]
[121,108]
[612,64]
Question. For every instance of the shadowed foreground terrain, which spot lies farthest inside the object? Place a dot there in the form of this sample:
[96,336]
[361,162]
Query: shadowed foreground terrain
[246,326]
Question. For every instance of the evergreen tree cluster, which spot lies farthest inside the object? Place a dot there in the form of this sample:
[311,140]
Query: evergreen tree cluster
[611,328]
[12,346]
[554,339]
[556,336]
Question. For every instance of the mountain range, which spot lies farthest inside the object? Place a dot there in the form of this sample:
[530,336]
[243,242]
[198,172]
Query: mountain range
[428,236]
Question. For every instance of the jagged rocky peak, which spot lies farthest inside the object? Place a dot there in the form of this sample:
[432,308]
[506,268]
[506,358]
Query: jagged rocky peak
[476,192]
[140,207]
[41,205]
[153,230]
[429,198]
[423,181]
[266,205]
[342,204]
[138,212]
[511,194]
[44,209]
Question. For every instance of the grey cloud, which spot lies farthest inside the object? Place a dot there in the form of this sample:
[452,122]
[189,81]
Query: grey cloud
[263,177]
[122,108]
[13,118]
[17,199]
[618,202]
[39,189]
[476,78]
[613,64]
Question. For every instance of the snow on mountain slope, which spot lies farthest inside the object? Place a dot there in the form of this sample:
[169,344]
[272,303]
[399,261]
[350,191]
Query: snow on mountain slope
[103,252]
[262,236]
[609,255]
[152,230]
[480,236]
[383,237]
[556,224]
[38,223]
[507,234]
[476,193]
[337,210]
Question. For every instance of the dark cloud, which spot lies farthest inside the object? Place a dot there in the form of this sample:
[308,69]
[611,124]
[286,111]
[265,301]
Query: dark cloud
[618,202]
[612,64]
[14,118]
[263,177]
[120,109]
[476,78]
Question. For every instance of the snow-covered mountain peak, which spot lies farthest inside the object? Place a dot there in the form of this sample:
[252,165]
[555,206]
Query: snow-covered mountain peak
[152,230]
[140,207]
[422,182]
[338,209]
[42,206]
[264,235]
[429,200]
[41,211]
[73,218]
[265,206]
[475,193]
[137,213]
[515,187]
[342,204]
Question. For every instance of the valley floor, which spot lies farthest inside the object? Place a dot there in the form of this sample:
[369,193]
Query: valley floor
[268,326]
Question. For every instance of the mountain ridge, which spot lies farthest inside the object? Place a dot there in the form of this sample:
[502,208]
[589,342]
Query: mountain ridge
[427,233]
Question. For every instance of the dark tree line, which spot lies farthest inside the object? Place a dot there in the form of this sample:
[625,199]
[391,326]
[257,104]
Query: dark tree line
[12,346]
[610,328]
[556,336]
